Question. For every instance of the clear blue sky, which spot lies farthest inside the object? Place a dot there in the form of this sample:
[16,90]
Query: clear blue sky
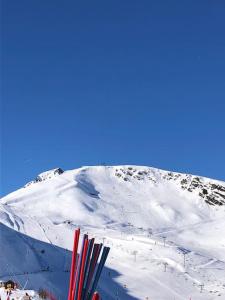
[115,82]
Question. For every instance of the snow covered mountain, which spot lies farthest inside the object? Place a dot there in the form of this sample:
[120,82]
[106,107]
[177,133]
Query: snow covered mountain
[166,231]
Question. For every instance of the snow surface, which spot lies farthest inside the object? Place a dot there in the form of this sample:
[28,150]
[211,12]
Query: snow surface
[18,294]
[167,241]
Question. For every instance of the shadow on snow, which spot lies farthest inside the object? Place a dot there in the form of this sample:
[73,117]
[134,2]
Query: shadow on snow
[35,264]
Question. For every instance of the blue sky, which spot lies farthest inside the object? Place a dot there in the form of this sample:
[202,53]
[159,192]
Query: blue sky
[115,82]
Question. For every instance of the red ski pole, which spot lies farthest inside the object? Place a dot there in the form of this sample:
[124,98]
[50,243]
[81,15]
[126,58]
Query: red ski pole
[81,281]
[96,296]
[73,263]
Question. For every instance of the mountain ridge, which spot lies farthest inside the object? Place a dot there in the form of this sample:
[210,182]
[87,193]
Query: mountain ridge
[211,190]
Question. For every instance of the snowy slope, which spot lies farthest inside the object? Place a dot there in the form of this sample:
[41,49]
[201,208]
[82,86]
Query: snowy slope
[166,231]
[18,294]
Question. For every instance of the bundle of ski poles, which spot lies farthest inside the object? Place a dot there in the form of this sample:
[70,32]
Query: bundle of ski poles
[86,268]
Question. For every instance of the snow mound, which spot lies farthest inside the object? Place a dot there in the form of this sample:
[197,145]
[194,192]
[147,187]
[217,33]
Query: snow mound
[18,294]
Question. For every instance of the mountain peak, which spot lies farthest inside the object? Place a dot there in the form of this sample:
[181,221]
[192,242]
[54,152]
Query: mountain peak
[210,190]
[46,175]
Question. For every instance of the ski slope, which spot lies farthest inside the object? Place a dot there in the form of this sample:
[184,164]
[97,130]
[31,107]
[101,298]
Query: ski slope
[166,231]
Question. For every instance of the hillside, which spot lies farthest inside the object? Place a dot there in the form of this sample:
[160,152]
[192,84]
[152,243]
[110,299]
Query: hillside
[166,231]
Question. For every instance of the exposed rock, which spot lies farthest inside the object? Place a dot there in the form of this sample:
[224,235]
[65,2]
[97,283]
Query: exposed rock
[45,175]
[212,193]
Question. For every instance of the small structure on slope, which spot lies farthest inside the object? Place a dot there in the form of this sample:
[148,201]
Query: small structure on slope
[10,285]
